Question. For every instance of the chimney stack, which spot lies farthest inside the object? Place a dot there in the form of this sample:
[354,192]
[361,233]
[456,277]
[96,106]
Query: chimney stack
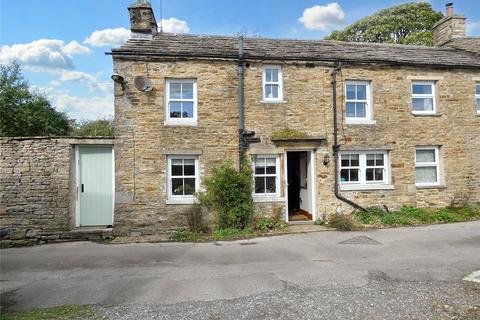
[142,20]
[449,27]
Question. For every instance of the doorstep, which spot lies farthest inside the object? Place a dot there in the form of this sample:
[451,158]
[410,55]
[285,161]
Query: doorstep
[304,227]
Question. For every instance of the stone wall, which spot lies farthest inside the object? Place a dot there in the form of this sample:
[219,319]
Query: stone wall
[142,138]
[37,188]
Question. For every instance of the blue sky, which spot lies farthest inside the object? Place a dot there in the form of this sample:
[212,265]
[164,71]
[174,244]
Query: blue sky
[61,43]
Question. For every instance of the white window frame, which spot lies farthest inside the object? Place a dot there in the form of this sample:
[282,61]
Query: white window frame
[183,199]
[180,121]
[433,96]
[477,98]
[368,119]
[362,183]
[279,83]
[436,164]
[267,196]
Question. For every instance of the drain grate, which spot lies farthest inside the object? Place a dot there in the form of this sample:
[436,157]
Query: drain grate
[361,240]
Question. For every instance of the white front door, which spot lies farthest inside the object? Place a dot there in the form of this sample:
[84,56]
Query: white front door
[95,185]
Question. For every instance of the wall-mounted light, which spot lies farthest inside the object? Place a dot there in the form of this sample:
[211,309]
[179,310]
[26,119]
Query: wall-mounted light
[326,159]
[118,79]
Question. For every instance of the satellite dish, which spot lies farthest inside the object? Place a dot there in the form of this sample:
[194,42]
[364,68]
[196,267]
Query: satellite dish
[142,83]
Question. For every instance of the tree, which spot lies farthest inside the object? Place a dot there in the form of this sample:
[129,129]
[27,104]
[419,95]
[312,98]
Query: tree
[26,113]
[92,128]
[409,23]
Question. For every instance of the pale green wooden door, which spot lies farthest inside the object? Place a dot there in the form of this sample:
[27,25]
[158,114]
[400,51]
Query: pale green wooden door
[96,186]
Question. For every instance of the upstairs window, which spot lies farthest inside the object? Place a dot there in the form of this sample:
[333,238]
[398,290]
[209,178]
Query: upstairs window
[266,176]
[427,166]
[181,102]
[272,83]
[477,96]
[357,101]
[423,97]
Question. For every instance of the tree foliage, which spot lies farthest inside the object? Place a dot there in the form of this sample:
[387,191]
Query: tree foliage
[94,128]
[26,113]
[409,23]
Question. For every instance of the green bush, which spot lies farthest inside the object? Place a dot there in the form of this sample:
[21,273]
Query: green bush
[229,194]
[342,222]
[446,215]
[370,216]
[232,233]
[266,224]
[195,218]
[390,219]
[185,235]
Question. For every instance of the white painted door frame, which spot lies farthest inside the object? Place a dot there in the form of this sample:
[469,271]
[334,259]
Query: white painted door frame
[311,180]
[77,181]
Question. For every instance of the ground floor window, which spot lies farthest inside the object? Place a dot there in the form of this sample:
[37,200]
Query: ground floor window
[266,175]
[363,168]
[183,179]
[427,166]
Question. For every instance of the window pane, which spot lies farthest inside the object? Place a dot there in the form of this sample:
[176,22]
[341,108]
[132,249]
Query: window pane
[478,104]
[378,174]
[271,163]
[177,167]
[189,186]
[426,174]
[369,174]
[189,167]
[187,110]
[345,160]
[175,90]
[187,90]
[422,89]
[271,75]
[353,174]
[350,92]
[354,162]
[477,91]
[175,109]
[344,175]
[425,156]
[370,160]
[259,185]
[260,166]
[350,110]
[379,159]
[361,92]
[177,186]
[422,104]
[270,185]
[361,109]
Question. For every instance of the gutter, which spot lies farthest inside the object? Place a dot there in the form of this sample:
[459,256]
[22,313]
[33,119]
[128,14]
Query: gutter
[336,146]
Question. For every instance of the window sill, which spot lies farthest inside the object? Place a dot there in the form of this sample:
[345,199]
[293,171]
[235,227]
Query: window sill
[426,114]
[170,123]
[433,186]
[358,121]
[181,201]
[366,187]
[273,101]
[268,199]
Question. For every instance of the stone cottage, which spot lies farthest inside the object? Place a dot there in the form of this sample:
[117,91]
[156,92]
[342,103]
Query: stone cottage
[374,124]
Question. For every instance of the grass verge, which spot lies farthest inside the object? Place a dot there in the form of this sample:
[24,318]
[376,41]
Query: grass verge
[68,312]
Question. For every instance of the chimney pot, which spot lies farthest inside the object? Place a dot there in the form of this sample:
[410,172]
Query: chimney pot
[449,9]
[142,20]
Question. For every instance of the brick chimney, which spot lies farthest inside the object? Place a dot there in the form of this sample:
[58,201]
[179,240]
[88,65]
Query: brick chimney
[449,27]
[142,20]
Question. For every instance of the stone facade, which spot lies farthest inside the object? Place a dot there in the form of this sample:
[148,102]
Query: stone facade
[37,188]
[143,140]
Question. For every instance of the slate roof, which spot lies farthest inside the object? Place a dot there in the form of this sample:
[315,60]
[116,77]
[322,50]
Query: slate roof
[224,47]
[467,44]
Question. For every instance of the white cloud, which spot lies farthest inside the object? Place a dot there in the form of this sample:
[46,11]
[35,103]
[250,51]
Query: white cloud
[80,108]
[108,37]
[49,53]
[174,25]
[323,18]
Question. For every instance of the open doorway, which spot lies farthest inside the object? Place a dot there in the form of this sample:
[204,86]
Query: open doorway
[299,190]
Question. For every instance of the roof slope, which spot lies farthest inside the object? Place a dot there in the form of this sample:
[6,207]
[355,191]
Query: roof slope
[467,44]
[223,47]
